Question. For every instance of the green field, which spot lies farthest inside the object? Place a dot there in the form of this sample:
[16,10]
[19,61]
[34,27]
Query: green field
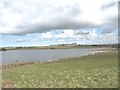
[92,71]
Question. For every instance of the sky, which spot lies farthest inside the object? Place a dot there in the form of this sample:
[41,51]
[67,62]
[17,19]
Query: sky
[48,22]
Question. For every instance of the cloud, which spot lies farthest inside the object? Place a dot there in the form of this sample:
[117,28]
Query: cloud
[38,16]
[22,40]
[47,35]
[109,5]
[68,35]
[107,31]
[83,32]
[106,36]
[61,40]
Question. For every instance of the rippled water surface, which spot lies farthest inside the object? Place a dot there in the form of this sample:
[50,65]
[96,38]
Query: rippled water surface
[12,56]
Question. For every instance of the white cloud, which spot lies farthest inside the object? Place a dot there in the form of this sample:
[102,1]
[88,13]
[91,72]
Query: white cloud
[68,34]
[61,40]
[84,37]
[47,35]
[36,16]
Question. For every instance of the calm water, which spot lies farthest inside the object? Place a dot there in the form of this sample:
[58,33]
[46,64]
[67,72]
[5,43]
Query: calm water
[43,55]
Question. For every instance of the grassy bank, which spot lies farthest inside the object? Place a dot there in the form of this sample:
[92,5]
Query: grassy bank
[99,70]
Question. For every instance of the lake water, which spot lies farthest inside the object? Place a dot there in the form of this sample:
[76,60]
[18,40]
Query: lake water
[12,56]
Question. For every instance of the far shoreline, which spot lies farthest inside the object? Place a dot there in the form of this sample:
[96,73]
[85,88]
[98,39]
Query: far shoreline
[56,47]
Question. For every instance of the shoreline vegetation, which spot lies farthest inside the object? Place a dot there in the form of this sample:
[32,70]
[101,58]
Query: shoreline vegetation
[61,46]
[83,72]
